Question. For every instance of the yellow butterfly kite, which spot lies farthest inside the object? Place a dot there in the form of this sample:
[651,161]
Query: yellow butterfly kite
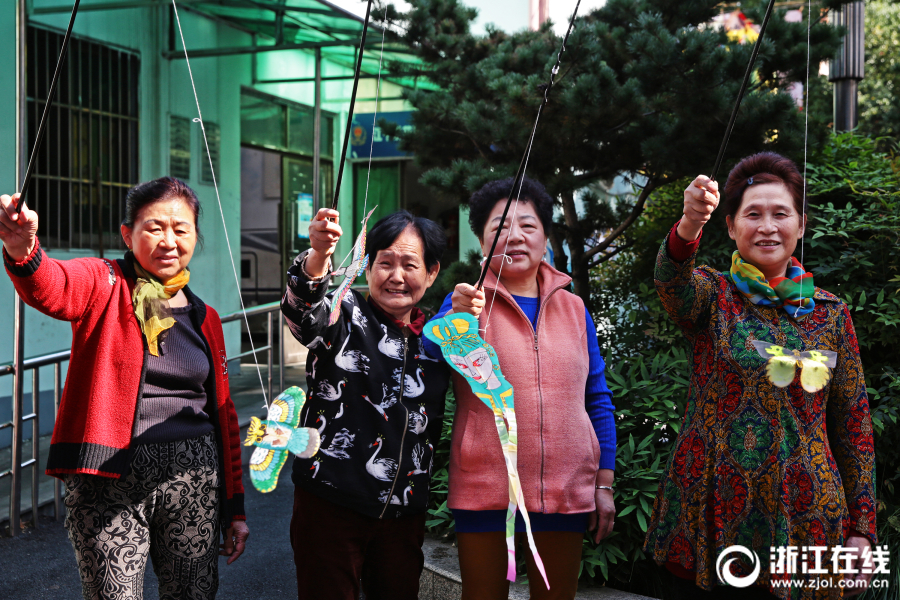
[815,365]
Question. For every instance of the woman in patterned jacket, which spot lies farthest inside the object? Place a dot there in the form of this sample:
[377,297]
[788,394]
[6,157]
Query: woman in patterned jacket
[756,465]
[378,402]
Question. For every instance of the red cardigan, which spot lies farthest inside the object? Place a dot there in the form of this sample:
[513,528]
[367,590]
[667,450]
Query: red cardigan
[103,387]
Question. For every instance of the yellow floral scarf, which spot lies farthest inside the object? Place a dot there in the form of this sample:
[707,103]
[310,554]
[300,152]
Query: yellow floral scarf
[151,308]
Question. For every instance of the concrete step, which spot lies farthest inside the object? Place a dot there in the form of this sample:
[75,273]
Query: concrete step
[440,579]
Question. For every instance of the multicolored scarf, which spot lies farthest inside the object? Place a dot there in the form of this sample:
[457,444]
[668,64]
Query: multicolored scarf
[150,303]
[793,293]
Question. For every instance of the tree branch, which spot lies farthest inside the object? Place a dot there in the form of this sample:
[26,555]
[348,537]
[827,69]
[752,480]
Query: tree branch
[609,255]
[635,213]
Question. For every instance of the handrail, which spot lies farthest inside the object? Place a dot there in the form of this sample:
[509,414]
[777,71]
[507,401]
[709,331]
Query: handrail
[252,311]
[37,361]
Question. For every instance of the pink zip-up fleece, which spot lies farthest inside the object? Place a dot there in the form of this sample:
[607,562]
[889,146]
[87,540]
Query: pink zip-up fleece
[558,451]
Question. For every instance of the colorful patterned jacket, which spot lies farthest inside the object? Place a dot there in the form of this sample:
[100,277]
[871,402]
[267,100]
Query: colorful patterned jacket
[754,464]
[375,397]
[104,382]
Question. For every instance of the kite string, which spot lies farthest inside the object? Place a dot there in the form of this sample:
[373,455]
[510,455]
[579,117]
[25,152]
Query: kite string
[805,132]
[371,142]
[375,115]
[219,201]
[512,223]
[520,176]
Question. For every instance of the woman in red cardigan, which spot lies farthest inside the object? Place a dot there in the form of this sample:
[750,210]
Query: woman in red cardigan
[146,439]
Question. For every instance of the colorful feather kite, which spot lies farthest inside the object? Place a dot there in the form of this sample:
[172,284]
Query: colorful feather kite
[476,360]
[782,364]
[278,435]
[351,272]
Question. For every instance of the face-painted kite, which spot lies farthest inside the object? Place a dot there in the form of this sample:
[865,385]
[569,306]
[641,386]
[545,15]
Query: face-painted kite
[476,360]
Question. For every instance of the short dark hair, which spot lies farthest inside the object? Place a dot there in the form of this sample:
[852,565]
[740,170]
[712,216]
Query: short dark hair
[764,167]
[388,229]
[164,188]
[483,201]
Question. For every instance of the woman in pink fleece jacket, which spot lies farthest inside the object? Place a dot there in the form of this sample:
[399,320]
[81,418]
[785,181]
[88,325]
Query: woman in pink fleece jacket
[546,344]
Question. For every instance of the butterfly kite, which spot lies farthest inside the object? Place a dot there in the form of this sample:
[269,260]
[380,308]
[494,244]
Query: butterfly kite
[476,360]
[815,365]
[278,435]
[350,272]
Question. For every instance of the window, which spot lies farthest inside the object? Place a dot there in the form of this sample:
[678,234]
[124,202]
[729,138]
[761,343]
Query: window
[270,122]
[89,158]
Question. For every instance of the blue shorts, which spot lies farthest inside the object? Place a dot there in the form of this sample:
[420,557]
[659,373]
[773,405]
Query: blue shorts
[483,521]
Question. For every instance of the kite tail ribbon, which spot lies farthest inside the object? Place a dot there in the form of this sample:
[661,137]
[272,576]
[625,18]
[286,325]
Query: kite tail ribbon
[509,441]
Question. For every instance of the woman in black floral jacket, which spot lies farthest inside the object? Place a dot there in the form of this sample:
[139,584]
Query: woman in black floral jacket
[377,401]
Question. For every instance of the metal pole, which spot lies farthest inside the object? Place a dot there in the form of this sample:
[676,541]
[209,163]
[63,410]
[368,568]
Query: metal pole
[57,484]
[15,491]
[253,64]
[269,325]
[15,500]
[317,133]
[846,105]
[35,444]
[21,92]
[847,68]
[280,350]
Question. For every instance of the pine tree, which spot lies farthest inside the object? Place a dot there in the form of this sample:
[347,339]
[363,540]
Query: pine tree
[645,90]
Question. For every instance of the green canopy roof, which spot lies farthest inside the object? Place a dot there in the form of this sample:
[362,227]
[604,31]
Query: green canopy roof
[306,25]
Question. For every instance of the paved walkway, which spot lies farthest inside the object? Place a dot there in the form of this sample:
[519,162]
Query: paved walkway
[40,564]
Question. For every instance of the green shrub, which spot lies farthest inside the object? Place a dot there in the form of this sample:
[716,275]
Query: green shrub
[441,520]
[854,252]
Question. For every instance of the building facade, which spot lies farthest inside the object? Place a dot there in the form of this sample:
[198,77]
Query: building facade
[270,81]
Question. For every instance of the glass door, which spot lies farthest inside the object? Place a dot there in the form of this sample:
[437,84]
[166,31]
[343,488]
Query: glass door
[297,208]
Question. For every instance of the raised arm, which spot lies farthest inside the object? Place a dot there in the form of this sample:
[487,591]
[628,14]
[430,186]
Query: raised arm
[60,289]
[18,228]
[687,293]
[304,306]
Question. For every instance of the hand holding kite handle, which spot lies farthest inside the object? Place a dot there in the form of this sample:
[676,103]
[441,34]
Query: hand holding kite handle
[324,233]
[701,198]
[467,299]
[18,228]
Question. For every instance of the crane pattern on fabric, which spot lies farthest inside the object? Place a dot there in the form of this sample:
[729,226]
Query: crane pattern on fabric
[476,360]
[278,435]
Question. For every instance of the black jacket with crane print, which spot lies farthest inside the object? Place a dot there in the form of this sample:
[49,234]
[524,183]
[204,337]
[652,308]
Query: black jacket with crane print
[375,397]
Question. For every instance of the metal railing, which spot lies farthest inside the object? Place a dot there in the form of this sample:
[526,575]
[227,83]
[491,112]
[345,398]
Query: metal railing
[18,467]
[266,309]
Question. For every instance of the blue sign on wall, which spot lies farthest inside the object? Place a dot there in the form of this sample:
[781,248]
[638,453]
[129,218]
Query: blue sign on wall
[362,136]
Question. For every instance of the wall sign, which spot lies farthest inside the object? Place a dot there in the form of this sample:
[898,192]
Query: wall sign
[363,135]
